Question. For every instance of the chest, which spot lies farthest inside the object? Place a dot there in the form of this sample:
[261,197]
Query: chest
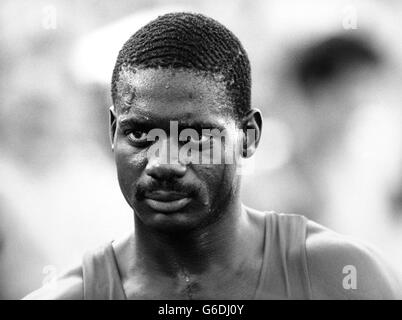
[240,285]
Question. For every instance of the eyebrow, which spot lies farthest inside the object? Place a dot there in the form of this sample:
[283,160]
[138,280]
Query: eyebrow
[157,122]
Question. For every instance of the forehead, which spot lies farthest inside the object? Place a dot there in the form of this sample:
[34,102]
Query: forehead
[169,94]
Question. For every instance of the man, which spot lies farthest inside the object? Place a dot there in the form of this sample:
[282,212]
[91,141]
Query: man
[193,238]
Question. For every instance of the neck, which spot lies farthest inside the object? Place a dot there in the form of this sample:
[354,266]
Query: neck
[220,244]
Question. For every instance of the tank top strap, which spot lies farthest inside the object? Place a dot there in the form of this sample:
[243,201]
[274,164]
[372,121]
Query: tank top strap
[284,273]
[101,275]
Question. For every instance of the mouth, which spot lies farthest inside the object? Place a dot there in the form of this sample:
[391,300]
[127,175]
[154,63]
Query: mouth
[166,202]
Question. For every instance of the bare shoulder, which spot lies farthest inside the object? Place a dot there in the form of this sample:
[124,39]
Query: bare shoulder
[342,268]
[68,286]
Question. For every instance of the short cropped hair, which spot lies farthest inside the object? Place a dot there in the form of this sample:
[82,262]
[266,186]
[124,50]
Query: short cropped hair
[193,42]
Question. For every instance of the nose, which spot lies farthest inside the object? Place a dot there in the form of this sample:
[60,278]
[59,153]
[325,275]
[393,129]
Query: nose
[161,167]
[165,171]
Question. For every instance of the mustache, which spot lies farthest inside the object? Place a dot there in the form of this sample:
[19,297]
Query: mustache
[166,185]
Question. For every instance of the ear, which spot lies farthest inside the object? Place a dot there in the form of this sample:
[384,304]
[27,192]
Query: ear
[112,125]
[252,128]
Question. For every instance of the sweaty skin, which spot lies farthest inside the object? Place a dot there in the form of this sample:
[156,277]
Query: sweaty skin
[212,248]
[327,254]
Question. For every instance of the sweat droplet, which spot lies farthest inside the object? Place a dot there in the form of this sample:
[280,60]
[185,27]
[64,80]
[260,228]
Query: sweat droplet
[167,86]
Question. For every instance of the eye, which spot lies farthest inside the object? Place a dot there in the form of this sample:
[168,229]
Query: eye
[200,139]
[137,136]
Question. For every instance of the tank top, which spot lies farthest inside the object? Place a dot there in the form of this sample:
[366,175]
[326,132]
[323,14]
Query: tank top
[283,275]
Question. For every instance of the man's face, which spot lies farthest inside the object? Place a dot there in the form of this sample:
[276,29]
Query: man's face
[167,192]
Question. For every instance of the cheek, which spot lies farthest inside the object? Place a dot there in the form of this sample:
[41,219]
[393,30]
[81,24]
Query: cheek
[130,164]
[217,178]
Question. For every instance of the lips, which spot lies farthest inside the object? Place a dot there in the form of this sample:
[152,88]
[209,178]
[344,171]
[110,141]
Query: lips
[166,201]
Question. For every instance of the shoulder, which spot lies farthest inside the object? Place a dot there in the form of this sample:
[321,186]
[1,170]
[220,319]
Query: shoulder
[343,268]
[68,286]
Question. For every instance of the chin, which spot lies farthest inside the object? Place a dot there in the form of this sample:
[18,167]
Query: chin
[174,222]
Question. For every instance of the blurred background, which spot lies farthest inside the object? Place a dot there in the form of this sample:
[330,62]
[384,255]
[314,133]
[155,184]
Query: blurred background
[326,75]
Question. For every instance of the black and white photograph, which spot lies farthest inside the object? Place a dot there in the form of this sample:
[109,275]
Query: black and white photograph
[183,150]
